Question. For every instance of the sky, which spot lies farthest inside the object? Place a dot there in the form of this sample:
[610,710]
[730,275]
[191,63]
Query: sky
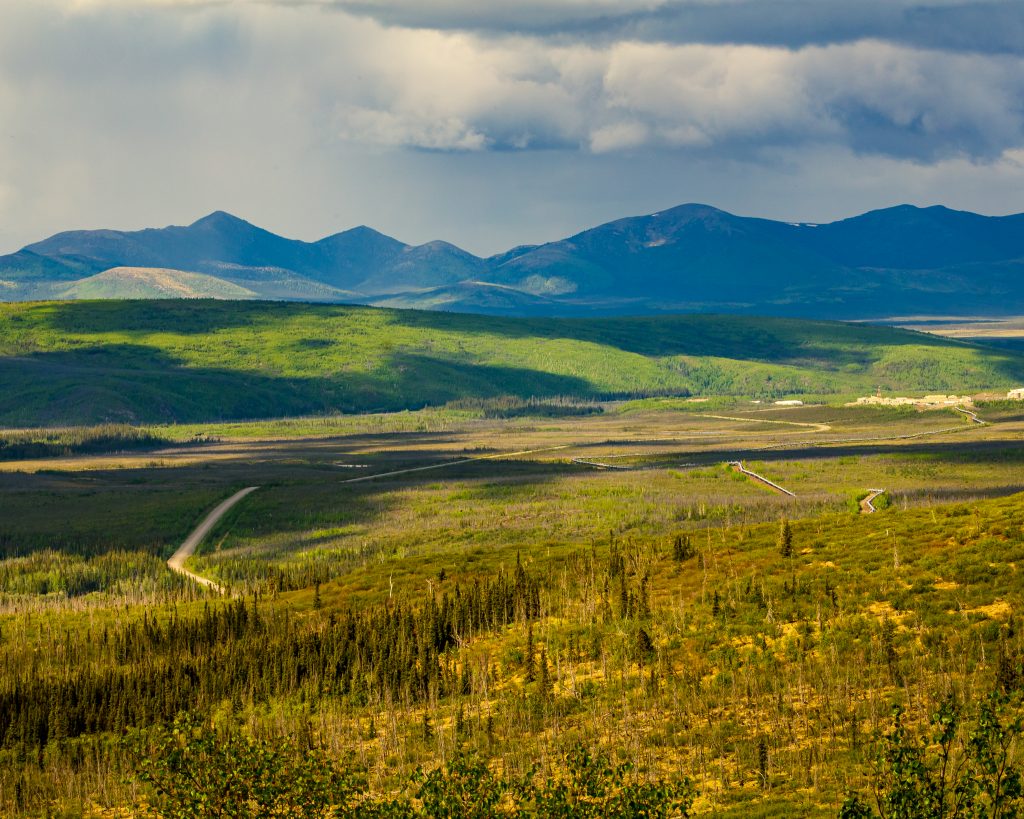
[495,123]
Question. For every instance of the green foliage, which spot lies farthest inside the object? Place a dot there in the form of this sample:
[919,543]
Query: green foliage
[529,654]
[511,406]
[394,652]
[23,445]
[644,645]
[463,787]
[544,676]
[591,786]
[963,770]
[785,539]
[49,572]
[682,548]
[198,771]
[75,513]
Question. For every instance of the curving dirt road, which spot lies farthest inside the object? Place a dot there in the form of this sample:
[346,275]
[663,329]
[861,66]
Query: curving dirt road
[866,506]
[185,551]
[176,563]
[970,414]
[445,464]
[814,425]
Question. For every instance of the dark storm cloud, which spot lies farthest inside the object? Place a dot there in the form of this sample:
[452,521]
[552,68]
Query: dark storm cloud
[989,27]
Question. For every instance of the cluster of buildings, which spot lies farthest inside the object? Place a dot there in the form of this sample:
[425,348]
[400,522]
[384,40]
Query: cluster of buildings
[928,401]
[931,401]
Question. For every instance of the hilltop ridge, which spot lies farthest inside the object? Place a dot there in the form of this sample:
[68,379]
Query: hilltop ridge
[692,258]
[199,360]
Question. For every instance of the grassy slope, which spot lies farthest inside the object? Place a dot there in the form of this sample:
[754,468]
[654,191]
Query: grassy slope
[154,283]
[202,360]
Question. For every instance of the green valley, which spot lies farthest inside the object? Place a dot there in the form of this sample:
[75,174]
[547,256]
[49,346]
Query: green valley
[565,409]
[194,360]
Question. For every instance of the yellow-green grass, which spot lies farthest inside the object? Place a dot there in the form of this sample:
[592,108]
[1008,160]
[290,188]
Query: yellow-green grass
[780,659]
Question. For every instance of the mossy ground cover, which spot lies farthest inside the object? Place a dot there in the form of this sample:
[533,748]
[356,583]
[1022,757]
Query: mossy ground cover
[761,677]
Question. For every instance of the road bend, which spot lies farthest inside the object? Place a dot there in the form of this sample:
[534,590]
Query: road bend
[188,548]
[866,503]
[971,414]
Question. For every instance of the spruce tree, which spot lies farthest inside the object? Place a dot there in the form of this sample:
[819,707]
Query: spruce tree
[530,670]
[785,539]
[644,645]
[544,679]
[681,548]
[762,761]
[644,598]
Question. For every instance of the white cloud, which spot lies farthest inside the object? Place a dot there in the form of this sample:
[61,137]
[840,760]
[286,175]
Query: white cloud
[872,96]
[434,90]
[699,95]
[443,133]
[618,136]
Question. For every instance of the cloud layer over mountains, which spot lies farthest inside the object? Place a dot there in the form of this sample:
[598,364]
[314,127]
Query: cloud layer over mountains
[121,107]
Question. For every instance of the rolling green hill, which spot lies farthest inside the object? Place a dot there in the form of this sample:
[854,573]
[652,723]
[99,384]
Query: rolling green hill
[154,283]
[87,362]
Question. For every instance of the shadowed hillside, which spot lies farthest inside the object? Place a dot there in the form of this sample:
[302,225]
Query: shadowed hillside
[88,362]
[898,261]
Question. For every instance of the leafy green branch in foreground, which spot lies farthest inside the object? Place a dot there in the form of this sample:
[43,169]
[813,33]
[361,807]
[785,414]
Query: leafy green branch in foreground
[197,770]
[968,768]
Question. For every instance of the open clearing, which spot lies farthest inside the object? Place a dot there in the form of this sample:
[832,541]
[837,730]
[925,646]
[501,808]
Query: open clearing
[667,460]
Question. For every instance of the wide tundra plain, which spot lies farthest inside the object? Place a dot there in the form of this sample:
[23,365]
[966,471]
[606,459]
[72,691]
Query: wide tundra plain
[719,592]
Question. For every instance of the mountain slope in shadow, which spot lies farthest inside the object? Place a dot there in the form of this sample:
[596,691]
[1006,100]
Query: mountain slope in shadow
[900,260]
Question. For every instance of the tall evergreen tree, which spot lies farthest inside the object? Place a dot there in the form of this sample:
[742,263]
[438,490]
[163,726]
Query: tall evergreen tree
[544,677]
[785,539]
[530,668]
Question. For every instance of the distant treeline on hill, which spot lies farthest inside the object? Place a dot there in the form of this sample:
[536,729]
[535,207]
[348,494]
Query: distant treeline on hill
[510,406]
[67,363]
[18,445]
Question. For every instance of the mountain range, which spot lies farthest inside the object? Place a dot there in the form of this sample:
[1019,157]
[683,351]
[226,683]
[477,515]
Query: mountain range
[903,260]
